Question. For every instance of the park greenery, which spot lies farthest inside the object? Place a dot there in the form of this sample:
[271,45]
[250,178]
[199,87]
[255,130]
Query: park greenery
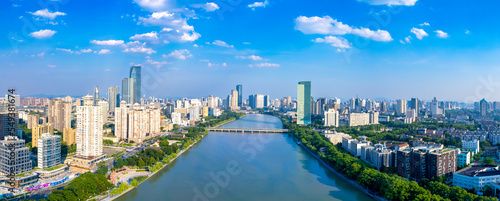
[389,186]
[82,188]
[227,116]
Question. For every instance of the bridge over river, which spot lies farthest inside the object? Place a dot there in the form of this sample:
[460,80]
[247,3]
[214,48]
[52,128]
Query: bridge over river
[247,130]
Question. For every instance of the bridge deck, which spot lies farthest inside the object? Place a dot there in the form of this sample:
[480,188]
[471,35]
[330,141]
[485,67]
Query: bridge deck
[247,130]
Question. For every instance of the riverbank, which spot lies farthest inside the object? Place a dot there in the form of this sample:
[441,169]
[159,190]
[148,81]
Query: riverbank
[178,155]
[356,185]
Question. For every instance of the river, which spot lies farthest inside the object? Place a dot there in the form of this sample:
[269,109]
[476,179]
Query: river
[231,166]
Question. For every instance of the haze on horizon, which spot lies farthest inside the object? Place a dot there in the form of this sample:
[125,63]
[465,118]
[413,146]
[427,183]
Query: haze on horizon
[374,49]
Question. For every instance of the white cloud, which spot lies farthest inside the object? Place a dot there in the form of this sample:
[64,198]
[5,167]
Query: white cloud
[467,32]
[209,64]
[158,64]
[334,41]
[179,54]
[441,34]
[44,33]
[424,24]
[107,42]
[222,44]
[246,43]
[209,7]
[419,33]
[104,51]
[86,50]
[263,65]
[251,57]
[47,14]
[328,26]
[391,2]
[152,4]
[51,66]
[175,27]
[152,36]
[65,50]
[195,45]
[41,54]
[258,4]
[137,47]
[224,64]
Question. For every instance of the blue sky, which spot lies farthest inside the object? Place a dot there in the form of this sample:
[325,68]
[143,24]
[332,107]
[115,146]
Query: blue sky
[373,48]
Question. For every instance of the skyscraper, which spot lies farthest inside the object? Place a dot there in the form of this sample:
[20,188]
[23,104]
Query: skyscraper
[113,98]
[89,125]
[483,107]
[59,114]
[304,103]
[234,98]
[239,88]
[401,106]
[128,90]
[96,94]
[135,73]
[414,104]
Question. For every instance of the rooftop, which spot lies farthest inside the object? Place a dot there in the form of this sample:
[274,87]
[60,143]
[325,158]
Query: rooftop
[479,171]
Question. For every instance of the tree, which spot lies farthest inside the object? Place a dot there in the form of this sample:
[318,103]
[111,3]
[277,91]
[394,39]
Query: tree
[134,183]
[489,161]
[141,163]
[102,170]
[484,144]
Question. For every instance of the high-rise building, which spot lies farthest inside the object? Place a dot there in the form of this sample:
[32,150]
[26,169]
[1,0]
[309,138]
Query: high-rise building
[127,89]
[401,106]
[234,98]
[435,110]
[49,150]
[33,120]
[59,114]
[37,132]
[320,106]
[7,125]
[97,94]
[332,118]
[21,163]
[239,88]
[137,122]
[383,106]
[421,162]
[113,98]
[415,105]
[304,103]
[69,136]
[89,126]
[135,74]
[266,101]
[483,107]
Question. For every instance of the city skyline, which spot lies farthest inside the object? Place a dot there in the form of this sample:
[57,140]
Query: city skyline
[409,45]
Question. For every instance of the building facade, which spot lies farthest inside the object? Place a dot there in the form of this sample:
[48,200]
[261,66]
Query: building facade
[49,151]
[304,103]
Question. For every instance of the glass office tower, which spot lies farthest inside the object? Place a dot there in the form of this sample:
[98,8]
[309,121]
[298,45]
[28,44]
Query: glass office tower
[304,103]
[135,74]
[239,88]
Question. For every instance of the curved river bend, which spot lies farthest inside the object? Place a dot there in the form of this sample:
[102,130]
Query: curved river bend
[230,166]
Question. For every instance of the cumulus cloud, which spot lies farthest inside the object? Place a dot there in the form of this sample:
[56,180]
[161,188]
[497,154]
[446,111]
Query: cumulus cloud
[264,65]
[137,47]
[107,42]
[419,33]
[152,36]
[251,57]
[45,13]
[441,34]
[258,4]
[175,27]
[152,4]
[222,44]
[334,41]
[103,51]
[44,33]
[328,26]
[179,54]
[391,2]
[209,7]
